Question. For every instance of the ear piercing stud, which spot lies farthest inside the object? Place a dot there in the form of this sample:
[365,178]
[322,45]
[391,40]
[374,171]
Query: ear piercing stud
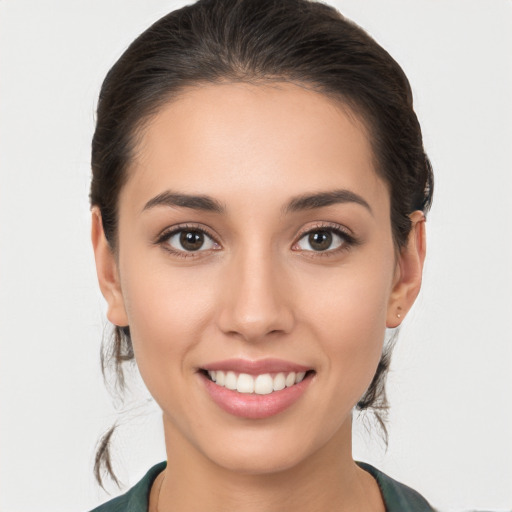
[399,315]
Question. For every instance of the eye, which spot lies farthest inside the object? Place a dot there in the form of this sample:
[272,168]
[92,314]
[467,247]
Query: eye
[186,240]
[324,239]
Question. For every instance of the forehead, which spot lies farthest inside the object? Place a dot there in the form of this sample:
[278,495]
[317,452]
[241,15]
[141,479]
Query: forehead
[241,140]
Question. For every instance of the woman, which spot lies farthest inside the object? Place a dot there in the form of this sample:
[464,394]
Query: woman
[259,195]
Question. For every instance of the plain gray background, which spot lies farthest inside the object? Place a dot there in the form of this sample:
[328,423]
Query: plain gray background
[451,384]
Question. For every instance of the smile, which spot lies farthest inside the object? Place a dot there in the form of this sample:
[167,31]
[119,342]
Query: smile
[255,389]
[263,384]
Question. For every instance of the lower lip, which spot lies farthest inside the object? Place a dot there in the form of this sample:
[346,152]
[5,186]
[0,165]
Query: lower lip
[251,405]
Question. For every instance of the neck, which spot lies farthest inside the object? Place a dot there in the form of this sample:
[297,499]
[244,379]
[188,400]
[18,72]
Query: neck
[192,482]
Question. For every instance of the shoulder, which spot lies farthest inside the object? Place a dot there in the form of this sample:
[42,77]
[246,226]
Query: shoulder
[135,499]
[397,496]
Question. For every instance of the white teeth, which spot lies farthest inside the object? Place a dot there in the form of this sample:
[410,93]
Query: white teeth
[245,383]
[230,382]
[279,381]
[290,379]
[262,384]
[220,378]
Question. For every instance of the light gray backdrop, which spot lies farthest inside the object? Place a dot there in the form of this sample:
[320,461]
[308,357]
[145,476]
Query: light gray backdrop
[451,385]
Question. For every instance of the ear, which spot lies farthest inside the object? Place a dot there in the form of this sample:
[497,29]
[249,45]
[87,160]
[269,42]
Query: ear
[409,271]
[108,273]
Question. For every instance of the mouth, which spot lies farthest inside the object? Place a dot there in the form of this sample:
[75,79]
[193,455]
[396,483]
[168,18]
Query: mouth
[259,384]
[255,389]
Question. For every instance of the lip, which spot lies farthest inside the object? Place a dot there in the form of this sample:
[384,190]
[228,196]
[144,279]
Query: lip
[251,405]
[257,367]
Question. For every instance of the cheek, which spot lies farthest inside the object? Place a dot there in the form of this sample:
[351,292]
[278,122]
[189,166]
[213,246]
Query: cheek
[349,320]
[167,312]
[353,321]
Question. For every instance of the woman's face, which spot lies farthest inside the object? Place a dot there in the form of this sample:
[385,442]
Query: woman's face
[255,238]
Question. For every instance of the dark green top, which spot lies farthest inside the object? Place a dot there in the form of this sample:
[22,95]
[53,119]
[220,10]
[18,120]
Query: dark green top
[397,497]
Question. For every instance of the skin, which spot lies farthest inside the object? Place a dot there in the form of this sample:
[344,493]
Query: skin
[258,291]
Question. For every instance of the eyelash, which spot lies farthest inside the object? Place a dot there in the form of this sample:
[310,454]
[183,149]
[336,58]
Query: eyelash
[348,240]
[164,237]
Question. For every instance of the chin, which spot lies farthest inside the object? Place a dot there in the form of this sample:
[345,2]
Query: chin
[261,463]
[265,452]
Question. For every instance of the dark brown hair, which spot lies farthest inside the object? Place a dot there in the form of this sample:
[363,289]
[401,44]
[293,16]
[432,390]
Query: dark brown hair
[257,41]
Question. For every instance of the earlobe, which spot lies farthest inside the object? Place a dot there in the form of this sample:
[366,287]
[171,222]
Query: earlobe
[409,272]
[107,271]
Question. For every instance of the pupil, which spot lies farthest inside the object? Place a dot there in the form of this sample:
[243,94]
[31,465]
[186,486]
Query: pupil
[191,240]
[320,240]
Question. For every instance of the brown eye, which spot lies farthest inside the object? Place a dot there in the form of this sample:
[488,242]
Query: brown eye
[190,240]
[322,240]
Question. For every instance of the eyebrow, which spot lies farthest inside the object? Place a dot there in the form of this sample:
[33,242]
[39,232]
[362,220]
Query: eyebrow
[195,202]
[299,203]
[322,199]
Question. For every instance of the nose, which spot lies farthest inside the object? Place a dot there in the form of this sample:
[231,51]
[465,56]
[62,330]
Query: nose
[256,300]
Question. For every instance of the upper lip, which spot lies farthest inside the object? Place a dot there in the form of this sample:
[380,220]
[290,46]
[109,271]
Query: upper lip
[255,367]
